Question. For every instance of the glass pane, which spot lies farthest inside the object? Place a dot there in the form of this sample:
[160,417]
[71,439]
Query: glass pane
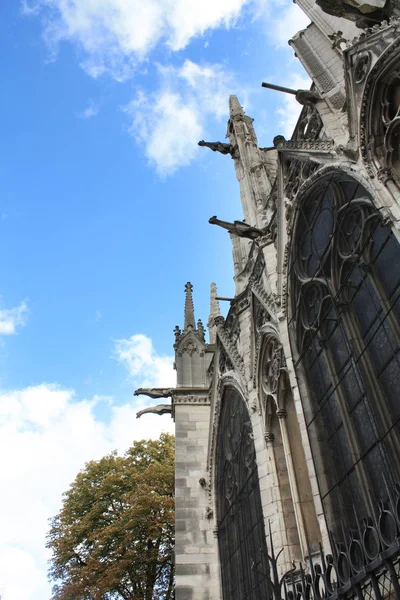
[241,534]
[347,315]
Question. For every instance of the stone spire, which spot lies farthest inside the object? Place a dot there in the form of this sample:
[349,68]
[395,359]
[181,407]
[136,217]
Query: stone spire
[190,348]
[189,323]
[214,312]
[235,109]
[251,166]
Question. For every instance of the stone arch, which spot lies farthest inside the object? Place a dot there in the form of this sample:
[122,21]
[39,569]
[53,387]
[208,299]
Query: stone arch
[344,325]
[240,521]
[380,123]
[282,436]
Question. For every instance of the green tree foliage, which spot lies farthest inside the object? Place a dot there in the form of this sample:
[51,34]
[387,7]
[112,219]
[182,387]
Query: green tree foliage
[114,536]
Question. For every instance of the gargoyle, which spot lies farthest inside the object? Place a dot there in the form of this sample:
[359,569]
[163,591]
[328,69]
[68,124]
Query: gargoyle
[307,98]
[239,228]
[160,409]
[220,147]
[364,13]
[154,392]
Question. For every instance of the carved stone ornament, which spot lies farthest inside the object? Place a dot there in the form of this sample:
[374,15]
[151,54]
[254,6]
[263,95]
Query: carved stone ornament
[297,173]
[380,117]
[225,363]
[363,13]
[259,266]
[261,315]
[190,348]
[272,363]
[337,39]
[316,146]
[239,228]
[191,399]
[309,124]
[154,392]
[160,409]
[362,66]
[221,148]
[232,325]
[233,360]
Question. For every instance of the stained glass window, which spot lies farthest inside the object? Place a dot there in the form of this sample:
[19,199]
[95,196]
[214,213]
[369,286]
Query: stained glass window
[241,532]
[344,285]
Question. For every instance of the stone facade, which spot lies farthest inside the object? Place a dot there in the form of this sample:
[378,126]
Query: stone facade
[320,210]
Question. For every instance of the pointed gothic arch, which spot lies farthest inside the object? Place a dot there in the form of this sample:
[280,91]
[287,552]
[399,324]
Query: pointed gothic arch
[283,437]
[241,531]
[344,286]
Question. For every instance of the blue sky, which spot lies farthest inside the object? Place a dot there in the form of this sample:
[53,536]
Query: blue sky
[105,200]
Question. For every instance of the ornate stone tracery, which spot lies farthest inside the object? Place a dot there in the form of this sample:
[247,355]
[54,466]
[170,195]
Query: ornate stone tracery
[380,117]
[241,532]
[341,305]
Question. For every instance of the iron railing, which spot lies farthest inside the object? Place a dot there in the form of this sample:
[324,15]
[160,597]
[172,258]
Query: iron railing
[364,564]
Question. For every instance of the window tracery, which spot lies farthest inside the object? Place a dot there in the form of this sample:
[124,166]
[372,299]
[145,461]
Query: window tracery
[241,532]
[283,438]
[345,326]
[381,131]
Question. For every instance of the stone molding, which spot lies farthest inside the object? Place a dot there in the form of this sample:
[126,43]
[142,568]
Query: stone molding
[198,400]
[313,146]
[372,163]
[375,30]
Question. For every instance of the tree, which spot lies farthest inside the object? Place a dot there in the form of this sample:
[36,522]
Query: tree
[114,536]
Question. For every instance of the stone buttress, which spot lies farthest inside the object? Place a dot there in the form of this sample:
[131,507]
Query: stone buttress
[195,545]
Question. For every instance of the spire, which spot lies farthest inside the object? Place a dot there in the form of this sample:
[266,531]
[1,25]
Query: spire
[214,312]
[235,108]
[189,310]
[214,304]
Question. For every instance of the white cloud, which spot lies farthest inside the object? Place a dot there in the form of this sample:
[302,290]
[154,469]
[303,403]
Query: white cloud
[116,35]
[170,122]
[92,110]
[137,354]
[290,110]
[47,433]
[289,21]
[12,318]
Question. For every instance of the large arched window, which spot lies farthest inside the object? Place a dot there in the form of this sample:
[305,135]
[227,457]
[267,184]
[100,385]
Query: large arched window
[344,287]
[241,532]
[381,110]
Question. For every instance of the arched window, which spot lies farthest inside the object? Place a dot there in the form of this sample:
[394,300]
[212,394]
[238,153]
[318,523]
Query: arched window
[241,532]
[344,288]
[382,116]
[282,434]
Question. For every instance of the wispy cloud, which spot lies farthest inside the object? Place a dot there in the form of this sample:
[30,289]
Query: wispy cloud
[92,110]
[170,122]
[12,318]
[117,35]
[285,23]
[142,362]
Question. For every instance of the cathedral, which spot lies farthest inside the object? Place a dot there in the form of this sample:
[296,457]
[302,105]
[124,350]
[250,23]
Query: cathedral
[287,417]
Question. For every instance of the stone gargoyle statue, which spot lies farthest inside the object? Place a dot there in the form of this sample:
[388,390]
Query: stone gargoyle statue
[220,147]
[154,392]
[239,228]
[160,409]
